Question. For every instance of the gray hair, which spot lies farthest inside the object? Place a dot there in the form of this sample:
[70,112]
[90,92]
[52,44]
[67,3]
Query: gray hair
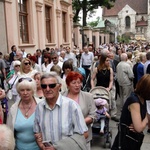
[7,140]
[25,83]
[124,57]
[105,52]
[51,74]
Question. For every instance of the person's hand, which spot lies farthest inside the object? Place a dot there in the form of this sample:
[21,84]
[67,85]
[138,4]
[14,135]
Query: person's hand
[108,89]
[38,136]
[49,148]
[131,128]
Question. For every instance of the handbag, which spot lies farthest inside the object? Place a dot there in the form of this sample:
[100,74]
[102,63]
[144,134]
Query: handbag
[129,139]
[9,92]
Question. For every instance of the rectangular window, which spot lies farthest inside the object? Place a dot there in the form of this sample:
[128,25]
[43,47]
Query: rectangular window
[23,21]
[64,26]
[48,23]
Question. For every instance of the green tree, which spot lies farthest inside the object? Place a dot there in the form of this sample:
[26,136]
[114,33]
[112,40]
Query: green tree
[94,23]
[123,39]
[88,6]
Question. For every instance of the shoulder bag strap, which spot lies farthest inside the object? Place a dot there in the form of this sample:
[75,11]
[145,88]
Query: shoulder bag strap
[12,85]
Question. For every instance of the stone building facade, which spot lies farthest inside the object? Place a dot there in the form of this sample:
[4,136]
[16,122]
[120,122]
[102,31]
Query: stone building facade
[33,24]
[130,17]
[3,35]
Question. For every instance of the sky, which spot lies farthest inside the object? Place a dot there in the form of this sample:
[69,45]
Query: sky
[98,14]
[93,18]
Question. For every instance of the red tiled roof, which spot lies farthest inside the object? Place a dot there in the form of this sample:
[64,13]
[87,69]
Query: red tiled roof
[141,23]
[140,6]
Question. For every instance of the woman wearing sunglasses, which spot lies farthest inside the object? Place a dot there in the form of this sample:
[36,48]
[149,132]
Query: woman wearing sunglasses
[84,99]
[22,113]
[26,69]
[12,78]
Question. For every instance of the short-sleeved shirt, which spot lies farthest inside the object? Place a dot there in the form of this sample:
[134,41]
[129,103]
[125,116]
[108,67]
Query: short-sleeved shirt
[126,115]
[63,120]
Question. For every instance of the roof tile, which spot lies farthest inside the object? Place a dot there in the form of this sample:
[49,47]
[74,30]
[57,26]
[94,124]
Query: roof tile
[140,6]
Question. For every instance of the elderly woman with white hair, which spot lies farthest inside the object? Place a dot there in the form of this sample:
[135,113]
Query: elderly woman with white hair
[12,79]
[7,141]
[22,113]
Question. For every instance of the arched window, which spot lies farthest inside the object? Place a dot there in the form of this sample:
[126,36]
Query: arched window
[127,21]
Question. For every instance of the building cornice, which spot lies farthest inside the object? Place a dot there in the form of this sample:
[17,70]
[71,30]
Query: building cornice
[49,2]
[8,1]
[65,3]
[38,6]
[58,13]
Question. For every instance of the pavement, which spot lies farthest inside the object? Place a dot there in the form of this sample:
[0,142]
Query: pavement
[98,141]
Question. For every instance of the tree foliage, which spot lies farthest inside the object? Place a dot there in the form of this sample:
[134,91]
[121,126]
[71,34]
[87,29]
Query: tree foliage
[94,23]
[123,39]
[88,6]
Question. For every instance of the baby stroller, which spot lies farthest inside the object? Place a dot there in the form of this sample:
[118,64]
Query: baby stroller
[101,92]
[86,81]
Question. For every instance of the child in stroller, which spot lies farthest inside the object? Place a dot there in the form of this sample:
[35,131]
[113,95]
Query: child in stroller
[102,113]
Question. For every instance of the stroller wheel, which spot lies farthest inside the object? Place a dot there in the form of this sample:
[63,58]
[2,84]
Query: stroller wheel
[105,142]
[110,133]
[110,140]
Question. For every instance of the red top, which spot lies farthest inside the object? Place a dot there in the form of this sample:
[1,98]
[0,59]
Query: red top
[1,120]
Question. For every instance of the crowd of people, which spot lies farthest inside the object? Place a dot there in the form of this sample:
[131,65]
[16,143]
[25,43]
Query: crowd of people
[50,91]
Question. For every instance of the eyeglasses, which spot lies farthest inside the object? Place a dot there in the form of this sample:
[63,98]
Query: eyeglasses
[44,86]
[22,79]
[27,63]
[17,66]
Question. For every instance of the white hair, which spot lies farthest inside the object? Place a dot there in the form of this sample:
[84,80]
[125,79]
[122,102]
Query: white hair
[26,84]
[7,140]
[51,74]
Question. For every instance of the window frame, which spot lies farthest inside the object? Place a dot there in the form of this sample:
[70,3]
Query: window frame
[127,22]
[23,25]
[48,24]
[64,26]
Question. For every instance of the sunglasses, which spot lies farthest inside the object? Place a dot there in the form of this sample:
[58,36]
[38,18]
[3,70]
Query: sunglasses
[22,79]
[54,58]
[17,66]
[44,86]
[27,63]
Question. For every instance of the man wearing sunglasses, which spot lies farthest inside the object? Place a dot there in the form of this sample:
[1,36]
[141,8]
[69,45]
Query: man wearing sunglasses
[55,60]
[57,117]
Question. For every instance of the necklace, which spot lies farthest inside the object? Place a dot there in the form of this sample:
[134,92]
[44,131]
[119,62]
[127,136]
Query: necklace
[27,111]
[104,72]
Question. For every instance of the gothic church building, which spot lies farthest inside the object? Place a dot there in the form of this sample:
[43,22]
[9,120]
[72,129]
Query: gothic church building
[130,17]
